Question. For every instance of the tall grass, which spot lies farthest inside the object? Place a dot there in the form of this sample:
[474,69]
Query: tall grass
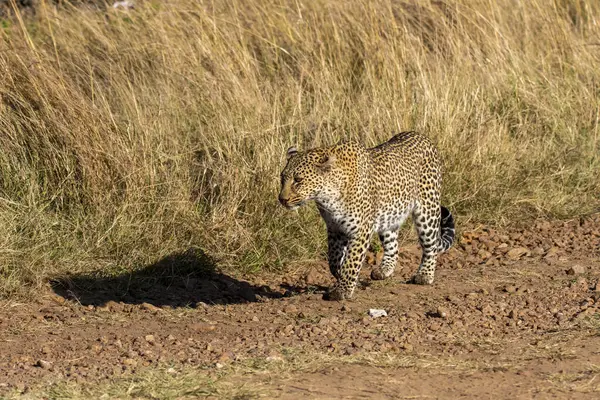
[127,135]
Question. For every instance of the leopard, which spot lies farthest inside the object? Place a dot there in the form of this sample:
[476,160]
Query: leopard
[359,191]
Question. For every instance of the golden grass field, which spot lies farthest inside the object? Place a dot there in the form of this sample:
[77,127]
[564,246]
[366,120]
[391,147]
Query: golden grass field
[128,135]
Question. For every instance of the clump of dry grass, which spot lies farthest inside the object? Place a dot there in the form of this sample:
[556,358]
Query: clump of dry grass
[126,136]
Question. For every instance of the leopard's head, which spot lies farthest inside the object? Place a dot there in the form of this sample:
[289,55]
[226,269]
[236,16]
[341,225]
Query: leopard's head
[307,176]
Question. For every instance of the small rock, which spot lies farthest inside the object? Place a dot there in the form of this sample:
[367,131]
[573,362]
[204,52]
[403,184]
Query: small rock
[149,338]
[435,327]
[484,254]
[114,306]
[43,364]
[255,319]
[413,315]
[58,299]
[468,237]
[441,312]
[149,307]
[290,309]
[376,313]
[517,252]
[576,270]
[225,357]
[312,277]
[96,348]
[345,308]
[103,308]
[203,327]
[219,365]
[453,299]
[510,289]
[487,310]
[129,362]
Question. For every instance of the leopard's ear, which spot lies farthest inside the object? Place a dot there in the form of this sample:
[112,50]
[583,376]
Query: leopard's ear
[326,163]
[292,151]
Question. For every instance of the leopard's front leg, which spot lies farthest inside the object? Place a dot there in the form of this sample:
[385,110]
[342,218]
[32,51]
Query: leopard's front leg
[348,273]
[337,244]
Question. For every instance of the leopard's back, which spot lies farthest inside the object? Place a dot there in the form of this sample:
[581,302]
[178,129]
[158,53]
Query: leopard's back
[406,170]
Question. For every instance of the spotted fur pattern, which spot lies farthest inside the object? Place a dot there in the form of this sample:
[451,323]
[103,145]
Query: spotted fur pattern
[359,191]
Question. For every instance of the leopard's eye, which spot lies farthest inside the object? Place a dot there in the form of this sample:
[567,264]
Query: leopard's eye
[298,179]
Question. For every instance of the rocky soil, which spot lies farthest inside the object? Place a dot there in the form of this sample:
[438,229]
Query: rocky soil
[512,314]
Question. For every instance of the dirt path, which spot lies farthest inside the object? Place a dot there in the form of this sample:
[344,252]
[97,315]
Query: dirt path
[512,315]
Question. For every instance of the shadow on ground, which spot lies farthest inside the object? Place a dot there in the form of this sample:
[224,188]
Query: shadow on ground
[179,280]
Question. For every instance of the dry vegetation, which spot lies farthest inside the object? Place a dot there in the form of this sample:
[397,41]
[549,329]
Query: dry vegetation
[128,135]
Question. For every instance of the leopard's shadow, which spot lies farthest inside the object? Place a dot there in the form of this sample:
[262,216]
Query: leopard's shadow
[181,279]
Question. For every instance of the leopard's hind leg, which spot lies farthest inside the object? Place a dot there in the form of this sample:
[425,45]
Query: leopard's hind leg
[426,217]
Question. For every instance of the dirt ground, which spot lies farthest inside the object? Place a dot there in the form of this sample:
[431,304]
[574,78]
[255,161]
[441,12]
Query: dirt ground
[512,315]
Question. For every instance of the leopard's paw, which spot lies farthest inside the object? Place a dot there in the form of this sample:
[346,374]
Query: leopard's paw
[377,274]
[421,279]
[336,293]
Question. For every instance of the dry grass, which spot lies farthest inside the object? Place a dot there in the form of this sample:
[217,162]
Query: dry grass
[125,136]
[247,379]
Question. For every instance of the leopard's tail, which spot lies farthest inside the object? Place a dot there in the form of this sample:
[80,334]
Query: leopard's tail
[446,229]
